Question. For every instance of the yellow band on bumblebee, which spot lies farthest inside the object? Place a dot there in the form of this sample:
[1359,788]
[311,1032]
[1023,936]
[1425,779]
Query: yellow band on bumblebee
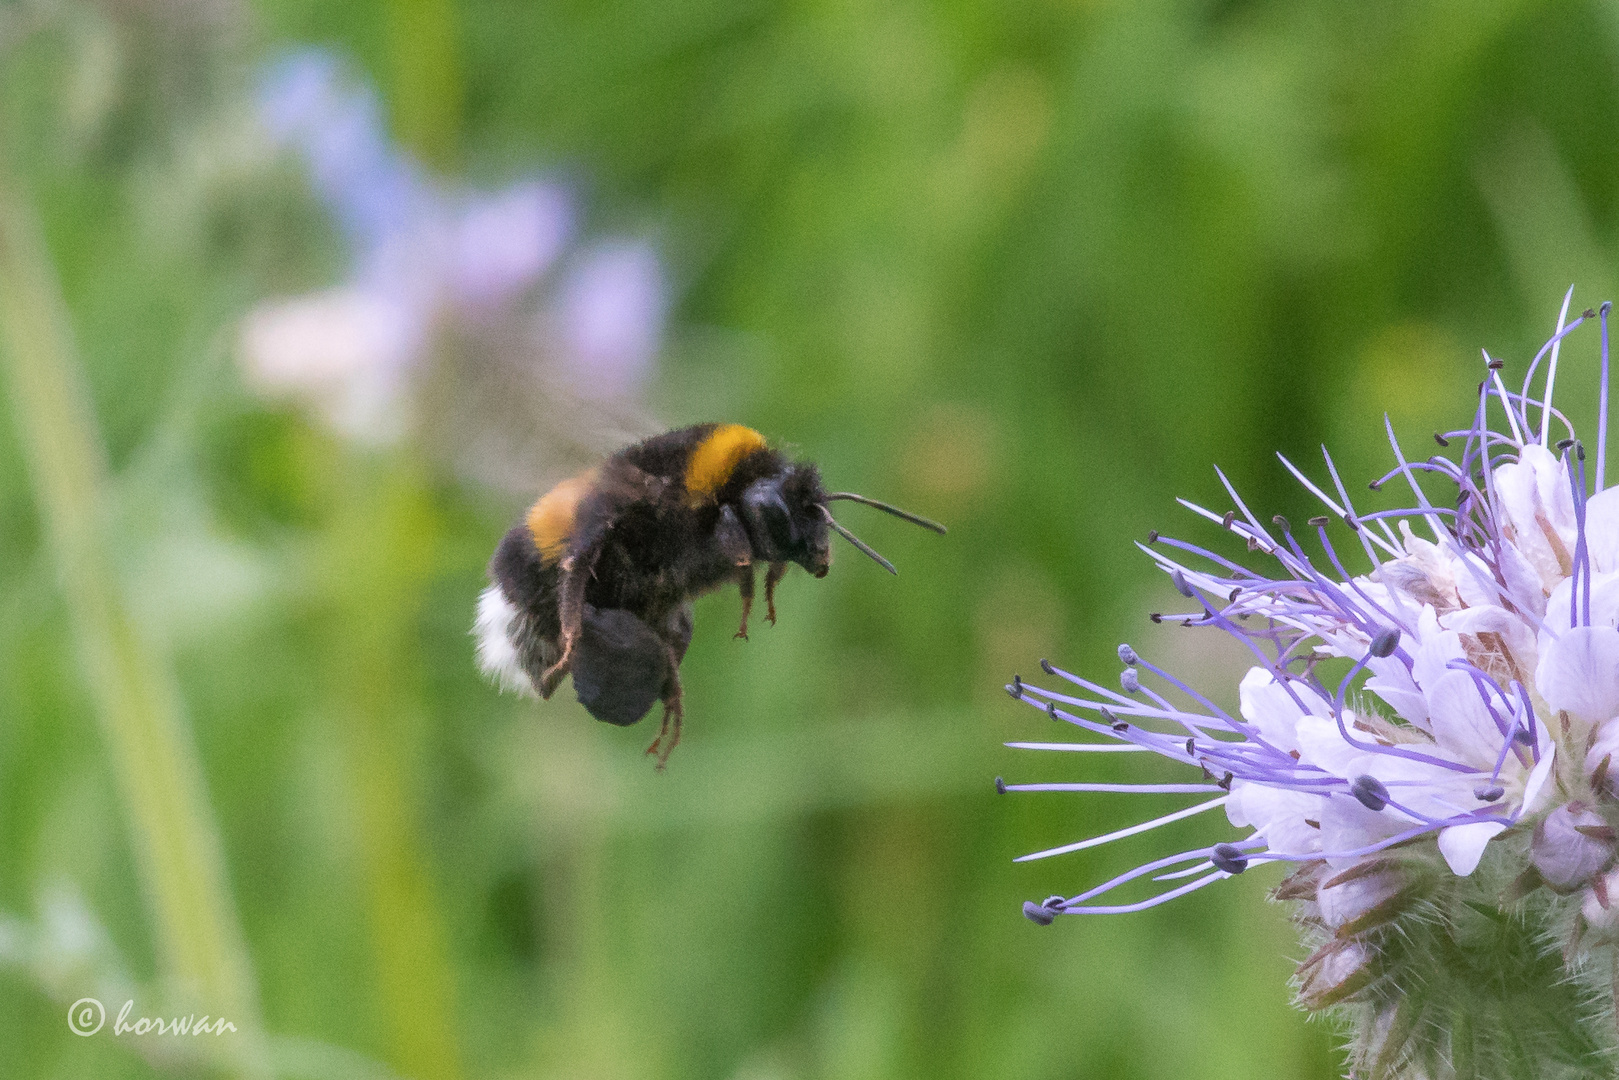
[716,458]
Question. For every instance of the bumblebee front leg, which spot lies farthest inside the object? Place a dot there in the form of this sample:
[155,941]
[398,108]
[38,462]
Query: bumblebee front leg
[777,571]
[744,584]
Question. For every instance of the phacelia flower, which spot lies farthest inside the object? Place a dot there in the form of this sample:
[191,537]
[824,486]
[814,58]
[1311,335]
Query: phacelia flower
[1457,695]
[551,316]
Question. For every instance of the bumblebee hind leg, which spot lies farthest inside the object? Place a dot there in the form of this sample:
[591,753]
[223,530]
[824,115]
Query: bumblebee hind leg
[576,571]
[679,630]
[670,730]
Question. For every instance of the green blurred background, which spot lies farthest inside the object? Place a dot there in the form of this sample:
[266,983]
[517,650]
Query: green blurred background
[1027,267]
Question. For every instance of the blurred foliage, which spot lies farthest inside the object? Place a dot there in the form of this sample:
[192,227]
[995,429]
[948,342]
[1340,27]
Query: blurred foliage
[1027,268]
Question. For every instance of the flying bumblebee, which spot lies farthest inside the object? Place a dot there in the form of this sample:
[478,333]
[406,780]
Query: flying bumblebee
[597,579]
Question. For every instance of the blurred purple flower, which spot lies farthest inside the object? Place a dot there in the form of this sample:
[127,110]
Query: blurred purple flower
[609,315]
[504,243]
[425,256]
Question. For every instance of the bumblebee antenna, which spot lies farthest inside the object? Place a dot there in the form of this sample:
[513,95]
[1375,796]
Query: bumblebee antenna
[857,542]
[914,519]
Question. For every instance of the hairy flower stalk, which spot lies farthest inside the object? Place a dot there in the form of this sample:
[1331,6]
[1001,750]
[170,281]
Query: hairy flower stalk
[1429,745]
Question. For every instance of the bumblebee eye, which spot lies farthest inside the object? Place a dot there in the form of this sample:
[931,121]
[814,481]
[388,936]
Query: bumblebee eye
[767,515]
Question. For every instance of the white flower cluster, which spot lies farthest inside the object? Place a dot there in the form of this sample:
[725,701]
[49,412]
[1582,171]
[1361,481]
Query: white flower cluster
[1468,680]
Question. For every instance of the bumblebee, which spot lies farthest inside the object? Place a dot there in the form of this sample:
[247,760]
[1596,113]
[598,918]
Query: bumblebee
[597,579]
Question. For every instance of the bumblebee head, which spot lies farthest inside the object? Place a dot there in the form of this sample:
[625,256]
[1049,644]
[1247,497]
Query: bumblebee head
[787,519]
[785,515]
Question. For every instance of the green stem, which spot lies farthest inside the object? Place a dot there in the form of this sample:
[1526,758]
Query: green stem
[200,946]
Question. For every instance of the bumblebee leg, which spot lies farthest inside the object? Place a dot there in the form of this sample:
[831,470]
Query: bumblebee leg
[571,610]
[672,713]
[744,584]
[777,571]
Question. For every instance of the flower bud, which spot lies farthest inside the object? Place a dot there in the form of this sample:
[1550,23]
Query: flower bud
[1605,747]
[1601,904]
[1333,972]
[1364,899]
[1564,849]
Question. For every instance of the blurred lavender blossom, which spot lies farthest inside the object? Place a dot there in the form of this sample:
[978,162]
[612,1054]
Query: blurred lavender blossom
[547,319]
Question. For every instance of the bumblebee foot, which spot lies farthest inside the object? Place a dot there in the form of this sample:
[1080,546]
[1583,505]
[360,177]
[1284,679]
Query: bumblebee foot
[667,731]
[552,677]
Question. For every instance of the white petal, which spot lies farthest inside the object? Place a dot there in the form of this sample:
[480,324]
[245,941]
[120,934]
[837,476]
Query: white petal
[1392,682]
[1278,814]
[1602,530]
[1463,845]
[1533,492]
[1321,745]
[1524,586]
[1268,706]
[1461,722]
[1346,825]
[1434,649]
[1536,784]
[1579,673]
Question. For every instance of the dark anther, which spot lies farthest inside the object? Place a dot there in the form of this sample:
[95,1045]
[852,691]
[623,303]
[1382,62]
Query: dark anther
[1129,680]
[1371,793]
[1206,774]
[1232,599]
[1156,616]
[1281,523]
[1152,536]
[1320,521]
[1349,519]
[1384,643]
[1178,579]
[1230,516]
[1107,715]
[1440,439]
[1579,450]
[1228,857]
[1489,793]
[1564,444]
[1016,689]
[1224,783]
[1000,786]
[1588,313]
[1375,486]
[1045,666]
[1038,914]
[1127,655]
[1191,748]
[1051,709]
[1120,726]
[1496,365]
[1253,543]
[1521,736]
